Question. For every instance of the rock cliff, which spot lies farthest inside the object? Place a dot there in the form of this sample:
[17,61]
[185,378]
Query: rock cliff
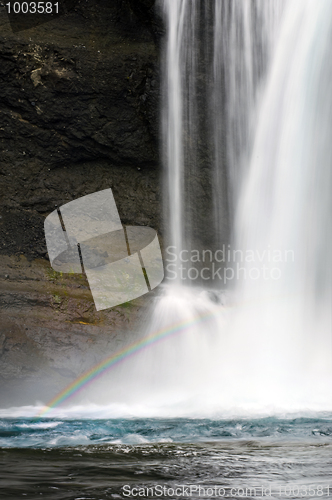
[79,99]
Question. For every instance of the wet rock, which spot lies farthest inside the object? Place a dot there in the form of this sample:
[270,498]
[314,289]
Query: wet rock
[79,113]
[50,331]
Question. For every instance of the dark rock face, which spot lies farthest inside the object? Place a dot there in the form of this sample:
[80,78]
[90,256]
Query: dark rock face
[79,99]
[79,103]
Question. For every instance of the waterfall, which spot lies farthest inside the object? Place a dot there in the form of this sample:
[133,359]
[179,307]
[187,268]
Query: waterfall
[285,205]
[243,41]
[270,117]
[215,61]
[180,114]
[173,117]
[246,110]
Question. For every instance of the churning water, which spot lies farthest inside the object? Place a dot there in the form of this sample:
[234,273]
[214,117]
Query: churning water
[105,459]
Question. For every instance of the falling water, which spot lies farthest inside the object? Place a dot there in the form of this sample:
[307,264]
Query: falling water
[216,58]
[173,119]
[271,116]
[257,108]
[180,115]
[244,36]
[285,205]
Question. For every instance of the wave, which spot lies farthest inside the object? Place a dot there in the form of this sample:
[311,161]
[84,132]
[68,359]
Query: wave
[25,432]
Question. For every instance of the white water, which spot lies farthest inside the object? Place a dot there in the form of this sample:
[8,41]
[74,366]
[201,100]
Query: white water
[273,350]
[286,204]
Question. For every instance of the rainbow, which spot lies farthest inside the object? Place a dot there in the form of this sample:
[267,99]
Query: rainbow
[100,368]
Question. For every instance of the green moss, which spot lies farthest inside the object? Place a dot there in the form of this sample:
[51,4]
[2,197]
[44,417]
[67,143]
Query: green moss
[52,275]
[56,298]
